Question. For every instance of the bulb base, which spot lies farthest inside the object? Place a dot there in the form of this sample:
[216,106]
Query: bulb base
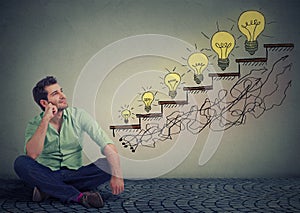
[251,46]
[223,63]
[147,108]
[172,94]
[198,78]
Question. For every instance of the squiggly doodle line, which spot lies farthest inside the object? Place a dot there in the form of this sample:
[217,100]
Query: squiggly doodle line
[220,114]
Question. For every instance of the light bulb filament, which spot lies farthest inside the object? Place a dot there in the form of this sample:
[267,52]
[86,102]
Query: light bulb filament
[147,101]
[173,83]
[250,27]
[223,49]
[198,67]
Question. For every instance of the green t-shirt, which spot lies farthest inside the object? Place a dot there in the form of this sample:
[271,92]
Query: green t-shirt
[64,149]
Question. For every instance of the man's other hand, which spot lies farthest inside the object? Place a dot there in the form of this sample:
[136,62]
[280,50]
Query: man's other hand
[116,185]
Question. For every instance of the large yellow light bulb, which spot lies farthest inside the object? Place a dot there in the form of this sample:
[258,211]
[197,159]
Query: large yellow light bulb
[147,99]
[223,43]
[125,114]
[251,23]
[198,62]
[172,81]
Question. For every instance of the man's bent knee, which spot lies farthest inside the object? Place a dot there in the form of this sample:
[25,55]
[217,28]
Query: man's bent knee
[21,161]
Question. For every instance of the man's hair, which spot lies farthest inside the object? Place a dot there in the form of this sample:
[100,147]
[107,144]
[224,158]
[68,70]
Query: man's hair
[39,92]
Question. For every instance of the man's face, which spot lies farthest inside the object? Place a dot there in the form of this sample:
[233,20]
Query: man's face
[56,96]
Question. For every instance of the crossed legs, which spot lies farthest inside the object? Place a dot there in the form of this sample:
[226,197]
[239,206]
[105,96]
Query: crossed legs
[64,184]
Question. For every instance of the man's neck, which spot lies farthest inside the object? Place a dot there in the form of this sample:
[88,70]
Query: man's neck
[57,119]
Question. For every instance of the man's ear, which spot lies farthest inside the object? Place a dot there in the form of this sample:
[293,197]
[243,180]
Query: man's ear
[44,103]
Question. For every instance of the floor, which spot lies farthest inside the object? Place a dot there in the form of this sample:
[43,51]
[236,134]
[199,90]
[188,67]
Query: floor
[171,195]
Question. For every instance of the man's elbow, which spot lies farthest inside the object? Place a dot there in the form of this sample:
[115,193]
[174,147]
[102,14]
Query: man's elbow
[110,149]
[32,155]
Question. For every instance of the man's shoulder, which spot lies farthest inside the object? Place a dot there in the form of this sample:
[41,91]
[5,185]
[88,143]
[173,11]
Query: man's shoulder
[36,119]
[74,112]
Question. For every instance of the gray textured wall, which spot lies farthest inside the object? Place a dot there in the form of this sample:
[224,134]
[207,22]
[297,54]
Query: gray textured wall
[40,38]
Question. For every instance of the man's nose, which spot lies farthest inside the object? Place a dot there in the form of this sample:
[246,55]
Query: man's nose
[62,95]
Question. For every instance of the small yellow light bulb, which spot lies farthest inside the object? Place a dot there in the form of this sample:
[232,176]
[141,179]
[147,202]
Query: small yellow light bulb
[198,63]
[223,43]
[251,23]
[126,114]
[147,98]
[172,81]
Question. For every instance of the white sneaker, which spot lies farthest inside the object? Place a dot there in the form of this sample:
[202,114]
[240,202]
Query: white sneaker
[38,196]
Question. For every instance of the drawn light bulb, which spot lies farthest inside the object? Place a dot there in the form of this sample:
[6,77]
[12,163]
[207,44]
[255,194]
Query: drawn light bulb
[147,98]
[251,23]
[198,63]
[126,114]
[172,81]
[223,43]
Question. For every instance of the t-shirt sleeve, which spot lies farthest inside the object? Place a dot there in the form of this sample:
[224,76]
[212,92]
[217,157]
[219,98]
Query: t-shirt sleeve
[29,131]
[92,128]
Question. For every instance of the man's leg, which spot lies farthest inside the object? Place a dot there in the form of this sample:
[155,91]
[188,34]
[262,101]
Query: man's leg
[89,177]
[48,181]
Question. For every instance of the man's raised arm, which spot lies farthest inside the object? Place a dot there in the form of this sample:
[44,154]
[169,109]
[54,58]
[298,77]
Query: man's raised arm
[35,145]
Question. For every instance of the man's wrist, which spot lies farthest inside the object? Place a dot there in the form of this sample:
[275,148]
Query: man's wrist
[117,176]
[46,119]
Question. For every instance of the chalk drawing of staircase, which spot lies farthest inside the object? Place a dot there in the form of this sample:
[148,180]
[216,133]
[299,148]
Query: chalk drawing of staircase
[279,49]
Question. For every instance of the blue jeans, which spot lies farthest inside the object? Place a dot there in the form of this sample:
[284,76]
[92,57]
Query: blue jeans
[64,184]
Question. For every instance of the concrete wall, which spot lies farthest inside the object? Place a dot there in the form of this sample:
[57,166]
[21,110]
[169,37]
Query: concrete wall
[62,38]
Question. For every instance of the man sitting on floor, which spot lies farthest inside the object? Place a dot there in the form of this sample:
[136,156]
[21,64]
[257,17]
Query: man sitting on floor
[53,146]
